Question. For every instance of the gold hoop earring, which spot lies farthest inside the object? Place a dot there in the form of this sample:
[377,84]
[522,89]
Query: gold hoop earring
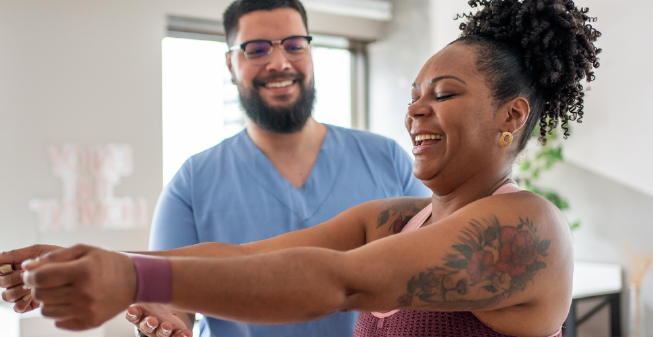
[503,142]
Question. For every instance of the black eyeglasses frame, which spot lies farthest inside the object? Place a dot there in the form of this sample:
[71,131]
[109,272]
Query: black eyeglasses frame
[242,46]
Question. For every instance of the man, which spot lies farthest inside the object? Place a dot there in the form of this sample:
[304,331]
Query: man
[285,172]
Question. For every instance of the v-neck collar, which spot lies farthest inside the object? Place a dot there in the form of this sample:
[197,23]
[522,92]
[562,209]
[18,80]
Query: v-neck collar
[306,200]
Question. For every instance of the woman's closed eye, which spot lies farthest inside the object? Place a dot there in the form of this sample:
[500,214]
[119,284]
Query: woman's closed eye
[444,97]
[437,98]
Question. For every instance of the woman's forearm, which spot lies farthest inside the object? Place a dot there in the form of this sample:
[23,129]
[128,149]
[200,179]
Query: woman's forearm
[208,249]
[289,286]
[345,232]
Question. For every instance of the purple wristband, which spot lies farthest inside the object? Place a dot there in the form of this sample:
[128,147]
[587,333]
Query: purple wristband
[153,279]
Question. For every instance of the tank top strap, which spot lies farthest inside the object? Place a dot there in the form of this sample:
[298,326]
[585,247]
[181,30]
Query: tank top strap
[507,188]
[418,220]
[421,217]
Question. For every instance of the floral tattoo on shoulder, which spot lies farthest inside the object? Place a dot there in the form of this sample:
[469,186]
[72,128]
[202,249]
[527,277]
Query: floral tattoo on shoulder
[499,260]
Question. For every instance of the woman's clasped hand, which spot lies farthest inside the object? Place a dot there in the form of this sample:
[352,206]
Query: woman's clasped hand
[70,285]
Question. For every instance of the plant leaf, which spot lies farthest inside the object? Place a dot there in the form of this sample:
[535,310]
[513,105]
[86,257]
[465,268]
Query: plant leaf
[536,174]
[574,226]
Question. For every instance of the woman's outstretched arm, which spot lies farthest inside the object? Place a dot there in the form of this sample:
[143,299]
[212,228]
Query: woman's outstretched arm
[347,231]
[494,254]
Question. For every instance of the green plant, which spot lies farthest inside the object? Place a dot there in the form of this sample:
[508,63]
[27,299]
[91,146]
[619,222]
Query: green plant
[531,168]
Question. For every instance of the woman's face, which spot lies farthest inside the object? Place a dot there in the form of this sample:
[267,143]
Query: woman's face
[452,121]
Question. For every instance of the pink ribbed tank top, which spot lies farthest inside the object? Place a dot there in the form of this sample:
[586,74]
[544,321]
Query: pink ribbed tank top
[416,323]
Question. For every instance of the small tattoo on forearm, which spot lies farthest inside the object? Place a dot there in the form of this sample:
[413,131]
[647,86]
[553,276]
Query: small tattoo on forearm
[498,260]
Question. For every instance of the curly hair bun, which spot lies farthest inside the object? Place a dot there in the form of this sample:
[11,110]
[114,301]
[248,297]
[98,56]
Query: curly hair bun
[556,43]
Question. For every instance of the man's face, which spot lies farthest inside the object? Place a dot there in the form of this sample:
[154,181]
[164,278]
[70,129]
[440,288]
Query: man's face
[277,96]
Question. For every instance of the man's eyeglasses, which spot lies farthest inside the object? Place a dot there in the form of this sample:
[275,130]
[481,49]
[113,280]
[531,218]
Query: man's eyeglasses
[259,52]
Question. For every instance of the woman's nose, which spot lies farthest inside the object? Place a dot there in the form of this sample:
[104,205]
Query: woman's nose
[419,109]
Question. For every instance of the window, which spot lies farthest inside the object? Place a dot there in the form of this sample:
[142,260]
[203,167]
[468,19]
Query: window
[195,98]
[332,69]
[201,107]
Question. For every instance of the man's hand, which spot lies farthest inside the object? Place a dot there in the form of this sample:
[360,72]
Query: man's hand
[81,287]
[146,318]
[11,276]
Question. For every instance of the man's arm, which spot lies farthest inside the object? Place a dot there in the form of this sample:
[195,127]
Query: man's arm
[173,223]
[347,231]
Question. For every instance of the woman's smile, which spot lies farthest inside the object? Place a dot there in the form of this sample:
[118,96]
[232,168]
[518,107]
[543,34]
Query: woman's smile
[425,140]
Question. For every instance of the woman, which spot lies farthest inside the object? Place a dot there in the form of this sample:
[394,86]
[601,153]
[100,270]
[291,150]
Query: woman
[480,258]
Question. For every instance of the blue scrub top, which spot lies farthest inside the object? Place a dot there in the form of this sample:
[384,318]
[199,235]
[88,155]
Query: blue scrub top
[232,193]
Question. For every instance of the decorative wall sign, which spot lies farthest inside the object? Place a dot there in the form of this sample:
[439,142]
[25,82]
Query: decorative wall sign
[89,177]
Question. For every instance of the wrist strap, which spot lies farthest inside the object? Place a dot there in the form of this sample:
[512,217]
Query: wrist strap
[153,279]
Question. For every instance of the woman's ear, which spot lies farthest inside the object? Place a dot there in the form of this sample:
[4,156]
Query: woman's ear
[516,112]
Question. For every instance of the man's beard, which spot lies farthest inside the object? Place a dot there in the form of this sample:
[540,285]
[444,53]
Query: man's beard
[281,120]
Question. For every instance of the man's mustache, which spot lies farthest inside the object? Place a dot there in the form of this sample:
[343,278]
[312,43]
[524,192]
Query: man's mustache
[261,81]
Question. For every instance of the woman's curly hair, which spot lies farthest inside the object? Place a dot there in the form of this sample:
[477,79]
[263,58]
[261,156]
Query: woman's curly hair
[537,49]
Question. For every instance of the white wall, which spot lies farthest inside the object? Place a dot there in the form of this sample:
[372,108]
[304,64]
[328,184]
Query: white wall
[394,62]
[613,140]
[86,72]
[609,177]
[444,29]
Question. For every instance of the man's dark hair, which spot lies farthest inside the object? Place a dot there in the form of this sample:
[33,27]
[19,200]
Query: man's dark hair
[239,8]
